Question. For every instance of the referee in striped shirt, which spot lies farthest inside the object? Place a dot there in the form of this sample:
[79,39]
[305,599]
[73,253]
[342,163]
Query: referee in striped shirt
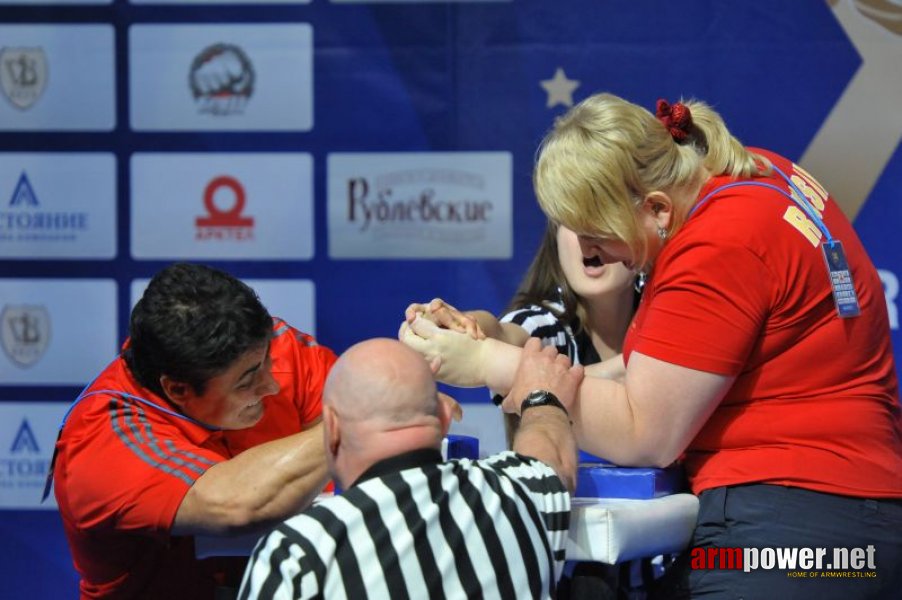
[410,525]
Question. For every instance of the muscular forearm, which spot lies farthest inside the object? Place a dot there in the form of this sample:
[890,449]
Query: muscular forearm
[544,433]
[260,486]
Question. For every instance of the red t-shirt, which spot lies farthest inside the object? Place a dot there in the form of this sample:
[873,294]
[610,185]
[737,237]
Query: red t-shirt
[123,468]
[742,290]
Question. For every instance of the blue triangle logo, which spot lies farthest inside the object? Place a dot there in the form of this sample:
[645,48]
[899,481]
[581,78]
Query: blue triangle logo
[23,194]
[25,440]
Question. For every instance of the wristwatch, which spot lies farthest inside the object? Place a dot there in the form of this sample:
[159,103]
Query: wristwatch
[541,398]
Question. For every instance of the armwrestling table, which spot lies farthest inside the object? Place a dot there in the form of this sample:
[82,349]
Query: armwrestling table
[606,530]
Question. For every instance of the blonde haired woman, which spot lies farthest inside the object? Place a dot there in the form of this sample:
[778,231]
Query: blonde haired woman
[760,352]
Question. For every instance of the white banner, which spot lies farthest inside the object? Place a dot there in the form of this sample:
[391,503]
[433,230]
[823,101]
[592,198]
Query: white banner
[59,77]
[56,331]
[56,205]
[221,77]
[28,433]
[222,206]
[420,205]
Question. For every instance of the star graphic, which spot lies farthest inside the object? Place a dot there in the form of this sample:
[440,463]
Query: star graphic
[560,89]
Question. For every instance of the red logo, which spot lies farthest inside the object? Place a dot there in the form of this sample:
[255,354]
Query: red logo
[227,224]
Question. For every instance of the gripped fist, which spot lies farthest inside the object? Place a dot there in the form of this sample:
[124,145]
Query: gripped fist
[444,315]
[455,358]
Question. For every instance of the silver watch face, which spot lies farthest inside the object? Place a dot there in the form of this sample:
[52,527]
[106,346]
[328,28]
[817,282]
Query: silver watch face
[539,398]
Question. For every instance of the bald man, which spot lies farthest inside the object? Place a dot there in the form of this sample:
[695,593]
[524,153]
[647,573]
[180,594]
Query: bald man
[410,525]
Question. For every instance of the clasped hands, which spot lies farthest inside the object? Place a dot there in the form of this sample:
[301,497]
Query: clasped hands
[451,341]
[459,353]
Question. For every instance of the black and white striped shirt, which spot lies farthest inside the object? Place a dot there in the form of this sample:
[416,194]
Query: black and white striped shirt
[542,322]
[416,527]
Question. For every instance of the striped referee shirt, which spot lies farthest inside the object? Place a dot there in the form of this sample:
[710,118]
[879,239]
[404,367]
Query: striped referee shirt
[542,322]
[416,527]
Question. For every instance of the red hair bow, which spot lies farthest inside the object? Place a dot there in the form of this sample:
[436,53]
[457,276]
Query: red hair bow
[676,118]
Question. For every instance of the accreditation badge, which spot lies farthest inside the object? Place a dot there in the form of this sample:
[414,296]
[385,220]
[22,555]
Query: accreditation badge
[844,295]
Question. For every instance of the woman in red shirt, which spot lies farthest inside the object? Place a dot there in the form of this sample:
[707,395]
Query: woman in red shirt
[760,352]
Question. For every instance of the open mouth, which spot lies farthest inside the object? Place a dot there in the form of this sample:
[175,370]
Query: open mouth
[594,266]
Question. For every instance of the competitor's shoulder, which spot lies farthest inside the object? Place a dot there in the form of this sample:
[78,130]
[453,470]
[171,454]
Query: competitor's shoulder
[509,459]
[283,331]
[114,382]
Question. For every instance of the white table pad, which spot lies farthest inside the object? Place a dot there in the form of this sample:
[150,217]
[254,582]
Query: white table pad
[615,530]
[609,530]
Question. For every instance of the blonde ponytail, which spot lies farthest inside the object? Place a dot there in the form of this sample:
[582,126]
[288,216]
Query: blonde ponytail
[723,153]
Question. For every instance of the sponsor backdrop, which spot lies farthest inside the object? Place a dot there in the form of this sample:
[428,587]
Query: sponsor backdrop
[347,157]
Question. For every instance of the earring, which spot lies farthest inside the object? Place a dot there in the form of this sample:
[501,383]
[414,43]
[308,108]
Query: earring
[641,279]
[662,233]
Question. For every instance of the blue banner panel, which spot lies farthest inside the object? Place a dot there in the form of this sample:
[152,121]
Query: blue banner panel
[353,156]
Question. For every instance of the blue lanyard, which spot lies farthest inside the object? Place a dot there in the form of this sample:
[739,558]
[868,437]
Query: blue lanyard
[162,409]
[49,482]
[799,199]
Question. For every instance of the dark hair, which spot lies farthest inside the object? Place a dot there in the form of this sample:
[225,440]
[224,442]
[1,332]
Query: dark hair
[191,324]
[544,281]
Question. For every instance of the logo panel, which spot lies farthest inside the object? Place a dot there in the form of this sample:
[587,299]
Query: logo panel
[55,205]
[23,75]
[24,333]
[28,433]
[243,206]
[420,205]
[221,77]
[57,77]
[56,331]
[229,223]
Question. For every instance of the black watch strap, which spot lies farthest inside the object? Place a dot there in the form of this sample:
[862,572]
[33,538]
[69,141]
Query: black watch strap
[541,398]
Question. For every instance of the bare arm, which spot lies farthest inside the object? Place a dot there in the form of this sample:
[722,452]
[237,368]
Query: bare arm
[648,419]
[612,368]
[509,333]
[545,432]
[257,488]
